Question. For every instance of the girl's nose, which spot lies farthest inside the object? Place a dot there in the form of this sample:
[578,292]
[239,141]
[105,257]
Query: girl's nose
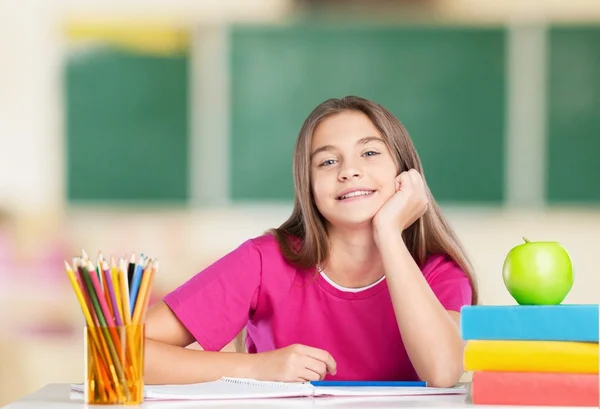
[349,172]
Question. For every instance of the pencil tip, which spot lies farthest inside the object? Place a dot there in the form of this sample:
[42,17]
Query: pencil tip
[84,254]
[67,266]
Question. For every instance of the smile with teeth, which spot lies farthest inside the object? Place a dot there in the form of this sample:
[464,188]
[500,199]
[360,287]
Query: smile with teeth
[356,193]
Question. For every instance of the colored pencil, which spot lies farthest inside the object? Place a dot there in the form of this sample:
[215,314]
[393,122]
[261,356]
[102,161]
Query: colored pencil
[146,277]
[83,289]
[146,302]
[103,278]
[117,286]
[79,294]
[99,270]
[130,270]
[136,281]
[124,291]
[112,298]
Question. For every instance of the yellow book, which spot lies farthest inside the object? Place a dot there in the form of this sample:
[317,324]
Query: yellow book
[531,356]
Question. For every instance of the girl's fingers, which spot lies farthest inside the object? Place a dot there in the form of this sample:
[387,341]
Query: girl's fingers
[307,375]
[316,366]
[417,182]
[404,181]
[322,356]
[416,178]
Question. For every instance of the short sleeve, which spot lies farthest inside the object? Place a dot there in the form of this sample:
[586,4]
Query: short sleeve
[214,305]
[449,282]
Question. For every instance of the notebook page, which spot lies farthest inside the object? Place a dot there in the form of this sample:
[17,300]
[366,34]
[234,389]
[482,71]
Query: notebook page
[228,388]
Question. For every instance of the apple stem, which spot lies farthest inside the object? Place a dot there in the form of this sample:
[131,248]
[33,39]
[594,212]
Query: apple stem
[525,238]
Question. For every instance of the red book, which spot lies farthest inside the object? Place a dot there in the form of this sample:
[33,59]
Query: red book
[534,388]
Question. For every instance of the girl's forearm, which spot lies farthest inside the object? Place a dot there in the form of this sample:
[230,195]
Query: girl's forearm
[430,335]
[171,364]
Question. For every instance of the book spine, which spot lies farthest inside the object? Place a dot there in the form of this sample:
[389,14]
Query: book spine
[577,323]
[543,389]
[531,356]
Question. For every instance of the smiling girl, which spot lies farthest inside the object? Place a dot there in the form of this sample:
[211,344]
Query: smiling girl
[364,281]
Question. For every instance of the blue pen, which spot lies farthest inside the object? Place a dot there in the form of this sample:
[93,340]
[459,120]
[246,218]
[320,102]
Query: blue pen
[369,383]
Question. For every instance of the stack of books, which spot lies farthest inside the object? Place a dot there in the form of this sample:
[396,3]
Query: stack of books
[543,355]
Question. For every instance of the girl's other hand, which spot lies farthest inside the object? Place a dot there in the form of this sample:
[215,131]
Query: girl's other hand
[295,363]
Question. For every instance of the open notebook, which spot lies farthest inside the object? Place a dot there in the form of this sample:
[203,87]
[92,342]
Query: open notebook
[235,388]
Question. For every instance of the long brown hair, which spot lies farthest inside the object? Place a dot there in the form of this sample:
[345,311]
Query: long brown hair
[303,236]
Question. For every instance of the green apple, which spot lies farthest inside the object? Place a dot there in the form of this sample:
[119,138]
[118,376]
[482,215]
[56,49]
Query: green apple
[538,273]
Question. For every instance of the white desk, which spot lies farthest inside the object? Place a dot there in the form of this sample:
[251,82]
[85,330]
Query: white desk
[54,396]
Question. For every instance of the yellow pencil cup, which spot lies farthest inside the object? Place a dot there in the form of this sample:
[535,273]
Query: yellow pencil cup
[114,365]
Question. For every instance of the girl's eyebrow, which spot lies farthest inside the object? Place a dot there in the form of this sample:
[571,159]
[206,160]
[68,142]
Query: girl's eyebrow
[321,149]
[368,139]
[361,141]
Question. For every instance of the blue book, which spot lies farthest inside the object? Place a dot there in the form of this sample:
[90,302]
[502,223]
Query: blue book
[568,322]
[369,383]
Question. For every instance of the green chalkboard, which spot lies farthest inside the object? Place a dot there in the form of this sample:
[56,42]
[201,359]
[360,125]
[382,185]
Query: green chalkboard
[574,115]
[445,84]
[126,126]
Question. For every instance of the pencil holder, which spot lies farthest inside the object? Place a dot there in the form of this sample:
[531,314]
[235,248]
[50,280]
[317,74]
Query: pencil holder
[114,364]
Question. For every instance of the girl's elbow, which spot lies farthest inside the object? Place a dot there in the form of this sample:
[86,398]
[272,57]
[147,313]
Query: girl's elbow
[443,380]
[445,376]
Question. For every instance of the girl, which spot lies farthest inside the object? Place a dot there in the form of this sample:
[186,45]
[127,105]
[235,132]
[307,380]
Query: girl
[364,281]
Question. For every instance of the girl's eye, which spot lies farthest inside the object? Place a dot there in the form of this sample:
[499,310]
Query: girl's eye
[371,153]
[327,162]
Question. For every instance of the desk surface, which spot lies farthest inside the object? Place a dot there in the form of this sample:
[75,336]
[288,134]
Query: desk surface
[54,396]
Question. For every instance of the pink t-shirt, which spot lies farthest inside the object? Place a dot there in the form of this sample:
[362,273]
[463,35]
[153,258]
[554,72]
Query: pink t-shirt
[281,305]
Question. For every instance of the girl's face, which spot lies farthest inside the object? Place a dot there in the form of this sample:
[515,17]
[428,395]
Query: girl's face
[352,170]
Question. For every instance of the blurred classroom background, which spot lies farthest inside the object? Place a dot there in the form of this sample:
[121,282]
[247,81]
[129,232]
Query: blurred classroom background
[166,127]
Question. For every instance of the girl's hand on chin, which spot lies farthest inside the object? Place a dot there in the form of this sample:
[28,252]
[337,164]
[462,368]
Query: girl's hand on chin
[405,206]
